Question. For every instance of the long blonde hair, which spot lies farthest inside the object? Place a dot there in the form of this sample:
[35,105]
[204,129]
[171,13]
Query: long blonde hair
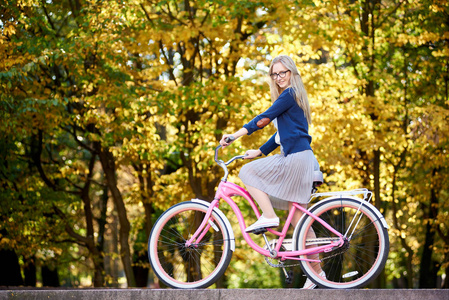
[296,83]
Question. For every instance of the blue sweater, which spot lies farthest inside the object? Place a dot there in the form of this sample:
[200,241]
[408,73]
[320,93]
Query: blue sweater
[293,128]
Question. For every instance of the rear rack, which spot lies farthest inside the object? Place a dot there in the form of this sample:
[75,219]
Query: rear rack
[367,194]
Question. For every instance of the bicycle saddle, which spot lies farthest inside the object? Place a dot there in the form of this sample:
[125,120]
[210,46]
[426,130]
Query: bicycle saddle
[317,178]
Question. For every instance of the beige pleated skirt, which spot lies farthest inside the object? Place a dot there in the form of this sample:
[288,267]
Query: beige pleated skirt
[284,178]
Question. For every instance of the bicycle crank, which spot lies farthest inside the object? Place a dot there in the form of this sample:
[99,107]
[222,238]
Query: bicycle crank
[286,246]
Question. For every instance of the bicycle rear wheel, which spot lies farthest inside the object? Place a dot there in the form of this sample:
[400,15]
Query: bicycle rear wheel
[363,254]
[196,266]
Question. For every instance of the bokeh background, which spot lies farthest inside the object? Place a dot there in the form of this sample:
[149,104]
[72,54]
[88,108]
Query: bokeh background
[110,111]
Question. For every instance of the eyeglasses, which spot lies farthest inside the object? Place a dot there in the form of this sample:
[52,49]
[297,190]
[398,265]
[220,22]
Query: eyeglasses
[274,76]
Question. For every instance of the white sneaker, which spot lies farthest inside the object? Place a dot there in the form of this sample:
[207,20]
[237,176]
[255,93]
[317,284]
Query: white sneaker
[309,285]
[263,223]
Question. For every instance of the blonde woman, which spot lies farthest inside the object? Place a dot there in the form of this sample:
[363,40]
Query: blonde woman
[279,180]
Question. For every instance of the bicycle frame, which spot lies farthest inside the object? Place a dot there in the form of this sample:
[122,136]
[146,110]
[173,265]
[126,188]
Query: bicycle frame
[348,250]
[226,190]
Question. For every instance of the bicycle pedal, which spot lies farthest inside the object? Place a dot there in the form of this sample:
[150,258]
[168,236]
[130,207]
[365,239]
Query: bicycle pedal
[259,231]
[289,277]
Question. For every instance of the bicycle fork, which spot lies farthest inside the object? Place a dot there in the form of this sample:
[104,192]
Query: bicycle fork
[206,224]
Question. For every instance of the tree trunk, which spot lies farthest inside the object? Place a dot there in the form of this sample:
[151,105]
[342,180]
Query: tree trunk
[10,274]
[428,269]
[29,271]
[50,276]
[140,257]
[100,268]
[108,165]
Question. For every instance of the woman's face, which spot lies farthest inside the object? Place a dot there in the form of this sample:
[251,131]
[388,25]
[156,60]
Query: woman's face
[277,72]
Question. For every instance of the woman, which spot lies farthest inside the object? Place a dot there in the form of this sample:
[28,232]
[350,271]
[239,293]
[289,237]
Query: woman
[279,180]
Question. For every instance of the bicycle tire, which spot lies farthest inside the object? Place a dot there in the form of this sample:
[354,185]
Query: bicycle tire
[178,266]
[363,255]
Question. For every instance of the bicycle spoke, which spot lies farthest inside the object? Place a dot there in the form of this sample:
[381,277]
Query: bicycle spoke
[196,265]
[363,252]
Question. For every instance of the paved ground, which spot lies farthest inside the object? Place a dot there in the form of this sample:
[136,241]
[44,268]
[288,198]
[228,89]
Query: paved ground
[236,294]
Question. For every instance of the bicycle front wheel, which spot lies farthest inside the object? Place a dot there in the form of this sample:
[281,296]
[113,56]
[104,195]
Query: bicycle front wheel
[198,265]
[362,256]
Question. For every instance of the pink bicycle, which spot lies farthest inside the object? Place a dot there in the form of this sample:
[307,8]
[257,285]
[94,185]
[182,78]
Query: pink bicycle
[191,243]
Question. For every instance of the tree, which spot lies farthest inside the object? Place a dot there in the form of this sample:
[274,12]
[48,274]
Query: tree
[64,80]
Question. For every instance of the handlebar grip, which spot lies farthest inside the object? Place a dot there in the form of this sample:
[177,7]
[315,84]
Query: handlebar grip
[229,139]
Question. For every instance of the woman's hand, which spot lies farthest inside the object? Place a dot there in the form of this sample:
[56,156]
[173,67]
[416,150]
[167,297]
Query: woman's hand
[252,154]
[241,132]
[229,137]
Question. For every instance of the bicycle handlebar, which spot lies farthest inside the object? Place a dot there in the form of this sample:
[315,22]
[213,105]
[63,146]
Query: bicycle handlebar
[218,161]
[224,164]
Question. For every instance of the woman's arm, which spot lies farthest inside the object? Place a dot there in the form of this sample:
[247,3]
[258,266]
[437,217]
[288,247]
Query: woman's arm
[282,104]
[241,132]
[269,146]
